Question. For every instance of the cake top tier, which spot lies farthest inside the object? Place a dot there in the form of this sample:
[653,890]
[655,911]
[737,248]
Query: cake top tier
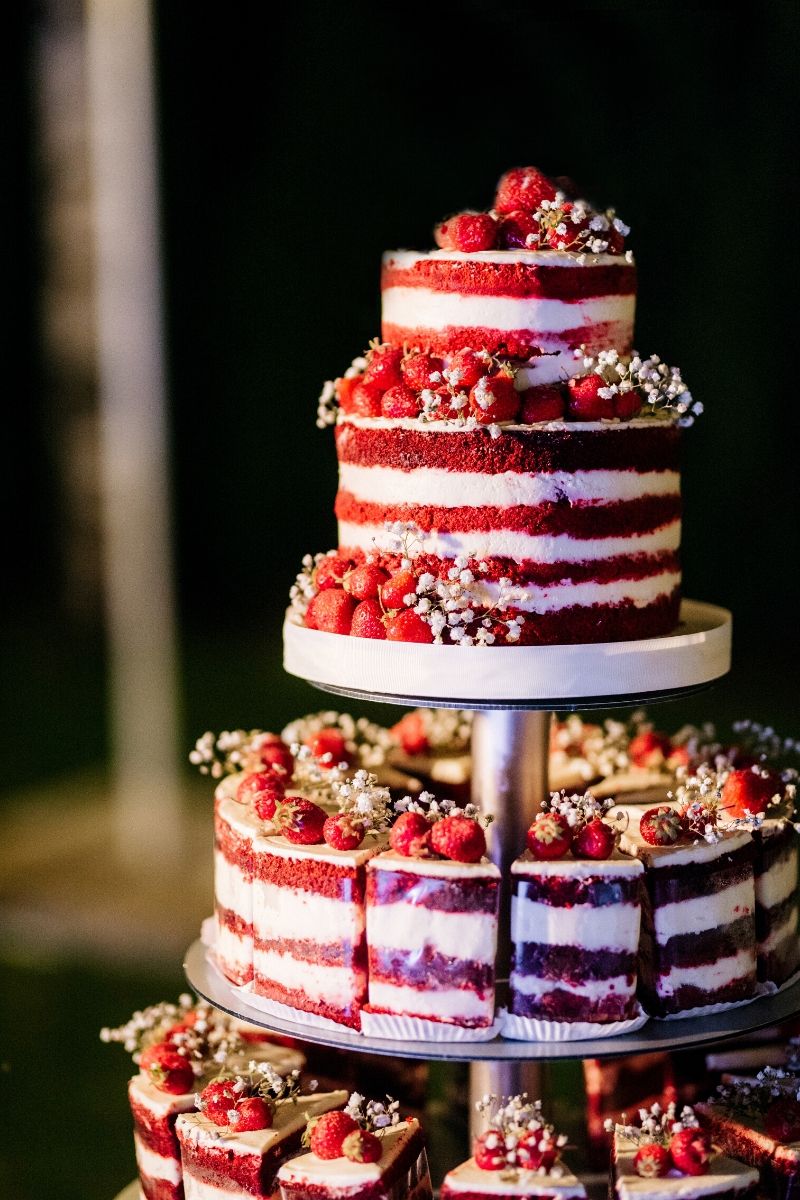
[724,1176]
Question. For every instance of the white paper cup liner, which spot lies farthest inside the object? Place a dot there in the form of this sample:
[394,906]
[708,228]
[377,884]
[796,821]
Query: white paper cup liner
[283,1012]
[532,1029]
[705,1010]
[419,1029]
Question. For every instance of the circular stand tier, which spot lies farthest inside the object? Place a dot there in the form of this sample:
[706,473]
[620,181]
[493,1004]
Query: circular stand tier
[655,1035]
[591,675]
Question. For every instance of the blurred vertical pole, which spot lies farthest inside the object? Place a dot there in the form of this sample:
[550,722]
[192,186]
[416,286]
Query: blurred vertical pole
[135,499]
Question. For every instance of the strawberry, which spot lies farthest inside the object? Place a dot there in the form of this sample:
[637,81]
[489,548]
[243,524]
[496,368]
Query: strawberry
[649,749]
[410,730]
[459,838]
[467,367]
[519,231]
[490,1151]
[651,1160]
[171,1072]
[365,400]
[331,611]
[544,403]
[470,232]
[594,840]
[217,1100]
[151,1055]
[327,1133]
[442,236]
[782,1120]
[584,403]
[361,1146]
[397,587]
[251,1113]
[661,826]
[365,581]
[494,398]
[627,405]
[344,392]
[422,371]
[410,835]
[549,836]
[277,757]
[329,746]
[301,821]
[748,790]
[523,187]
[399,401]
[383,367]
[331,572]
[368,621]
[691,1150]
[262,789]
[342,832]
[408,626]
[535,1153]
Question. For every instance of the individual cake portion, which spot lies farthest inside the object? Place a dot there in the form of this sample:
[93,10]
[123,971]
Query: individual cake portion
[432,905]
[518,1155]
[366,1152]
[575,917]
[235,827]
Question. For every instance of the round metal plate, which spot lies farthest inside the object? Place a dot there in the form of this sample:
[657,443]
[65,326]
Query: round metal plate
[655,1035]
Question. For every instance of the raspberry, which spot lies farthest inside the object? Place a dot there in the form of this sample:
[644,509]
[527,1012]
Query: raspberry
[494,398]
[172,1072]
[544,403]
[331,611]
[362,1146]
[467,367]
[535,1153]
[422,371]
[278,757]
[217,1100]
[651,1160]
[251,1113]
[691,1151]
[523,187]
[459,838]
[584,402]
[328,1132]
[410,835]
[661,826]
[328,745]
[383,367]
[649,749]
[470,232]
[549,836]
[262,789]
[399,401]
[408,626]
[782,1120]
[749,790]
[365,400]
[301,821]
[490,1151]
[594,840]
[364,583]
[344,392]
[368,621]
[410,730]
[331,572]
[519,231]
[397,587]
[342,832]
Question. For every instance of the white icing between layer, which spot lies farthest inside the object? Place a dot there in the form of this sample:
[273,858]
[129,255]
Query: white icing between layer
[776,884]
[617,866]
[608,426]
[196,1189]
[454,1004]
[592,989]
[232,888]
[438,868]
[293,913]
[709,977]
[614,927]
[335,985]
[281,847]
[404,259]
[424,308]
[156,1166]
[704,911]
[779,933]
[468,936]
[468,1177]
[235,953]
[539,599]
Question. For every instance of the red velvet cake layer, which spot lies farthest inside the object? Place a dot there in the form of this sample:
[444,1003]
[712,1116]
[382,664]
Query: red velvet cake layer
[155,1132]
[429,969]
[330,954]
[473,276]
[572,963]
[518,344]
[233,921]
[564,891]
[445,895]
[236,849]
[299,999]
[333,880]
[220,1168]
[707,945]
[561,1004]
[160,1189]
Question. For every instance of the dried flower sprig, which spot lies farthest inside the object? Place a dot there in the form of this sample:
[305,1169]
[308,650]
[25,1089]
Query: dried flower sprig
[196,1031]
[229,752]
[435,810]
[514,1123]
[365,741]
[443,729]
[304,588]
[699,800]
[147,1025]
[262,1080]
[363,799]
[578,228]
[661,388]
[376,1116]
[328,404]
[656,1124]
[577,809]
[764,743]
[752,1097]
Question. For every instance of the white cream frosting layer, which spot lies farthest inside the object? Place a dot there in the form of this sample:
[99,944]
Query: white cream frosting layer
[439,868]
[780,933]
[778,883]
[294,913]
[704,911]
[447,1004]
[156,1166]
[340,1174]
[614,927]
[234,952]
[233,889]
[726,1174]
[335,985]
[404,259]
[281,847]
[469,1177]
[591,989]
[469,935]
[709,977]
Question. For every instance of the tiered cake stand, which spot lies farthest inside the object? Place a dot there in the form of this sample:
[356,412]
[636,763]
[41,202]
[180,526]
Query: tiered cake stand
[513,692]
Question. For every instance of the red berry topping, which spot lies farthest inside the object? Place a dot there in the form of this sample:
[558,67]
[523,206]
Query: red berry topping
[661,826]
[329,746]
[383,367]
[301,821]
[408,626]
[344,392]
[470,232]
[467,367]
[782,1120]
[330,572]
[535,1153]
[585,402]
[277,756]
[342,832]
[410,835]
[562,232]
[523,187]
[365,400]
[494,398]
[172,1073]
[545,403]
[422,371]
[549,836]
[361,1146]
[410,730]
[368,621]
[649,749]
[519,231]
[251,1113]
[262,789]
[691,1151]
[459,838]
[652,1160]
[331,611]
[490,1151]
[397,587]
[399,401]
[151,1055]
[748,790]
[594,840]
[328,1133]
[616,241]
[217,1100]
[364,583]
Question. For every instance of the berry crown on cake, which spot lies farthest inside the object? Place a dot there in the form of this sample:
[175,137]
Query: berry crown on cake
[771,1099]
[244,1101]
[431,828]
[518,1138]
[666,1143]
[576,823]
[354,1132]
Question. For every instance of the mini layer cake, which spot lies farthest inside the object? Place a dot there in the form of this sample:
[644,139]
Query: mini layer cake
[468,1181]
[235,827]
[575,935]
[764,1131]
[401,1172]
[724,1179]
[432,936]
[219,1163]
[776,879]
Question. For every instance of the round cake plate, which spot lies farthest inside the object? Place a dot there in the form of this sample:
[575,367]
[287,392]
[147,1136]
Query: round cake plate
[591,675]
[655,1035]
